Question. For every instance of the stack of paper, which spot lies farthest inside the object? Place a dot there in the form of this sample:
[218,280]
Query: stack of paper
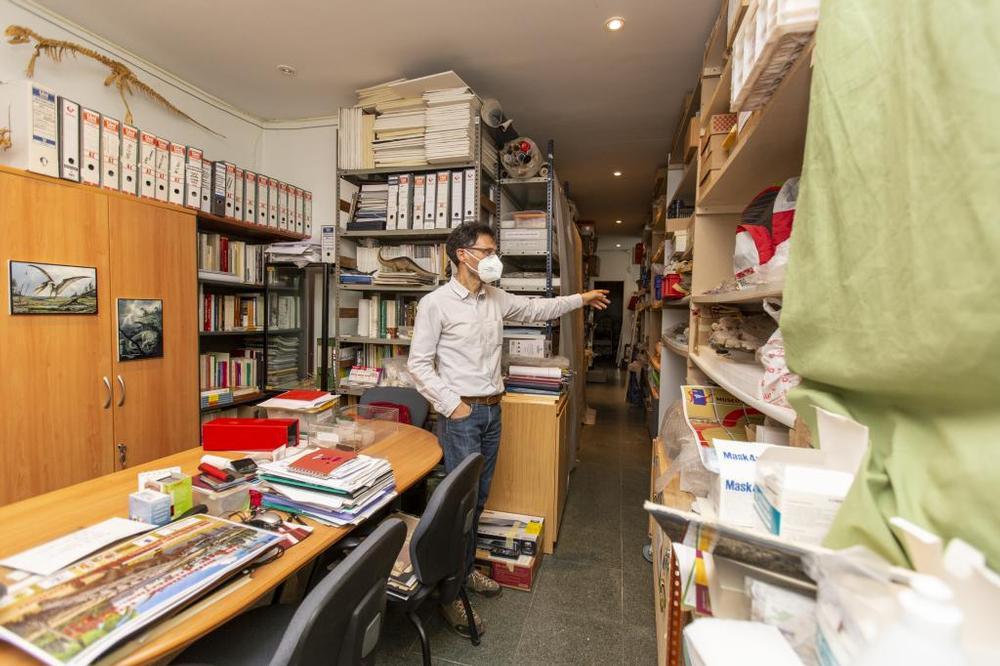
[449,124]
[399,137]
[369,98]
[351,493]
[370,212]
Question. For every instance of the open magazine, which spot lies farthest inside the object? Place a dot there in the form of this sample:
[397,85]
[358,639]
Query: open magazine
[81,611]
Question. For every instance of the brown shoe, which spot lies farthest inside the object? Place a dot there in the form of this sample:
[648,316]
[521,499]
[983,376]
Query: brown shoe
[454,614]
[482,584]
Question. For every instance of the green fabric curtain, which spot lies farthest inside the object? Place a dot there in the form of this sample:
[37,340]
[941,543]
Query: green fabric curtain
[892,306]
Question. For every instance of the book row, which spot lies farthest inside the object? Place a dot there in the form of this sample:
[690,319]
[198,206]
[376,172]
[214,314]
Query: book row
[230,370]
[235,260]
[58,137]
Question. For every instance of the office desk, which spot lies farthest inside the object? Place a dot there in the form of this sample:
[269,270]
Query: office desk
[413,453]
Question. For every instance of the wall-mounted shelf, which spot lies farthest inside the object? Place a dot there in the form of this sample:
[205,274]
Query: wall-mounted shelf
[742,380]
[742,295]
[227,225]
[401,234]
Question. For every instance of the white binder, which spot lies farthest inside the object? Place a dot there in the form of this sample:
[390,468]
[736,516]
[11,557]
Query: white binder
[249,197]
[405,197]
[300,225]
[147,164]
[90,146]
[111,144]
[430,189]
[469,209]
[272,203]
[230,189]
[69,140]
[307,212]
[192,178]
[262,206]
[206,185]
[31,113]
[392,205]
[441,208]
[178,168]
[456,198]
[128,167]
[162,169]
[238,182]
[282,205]
[419,192]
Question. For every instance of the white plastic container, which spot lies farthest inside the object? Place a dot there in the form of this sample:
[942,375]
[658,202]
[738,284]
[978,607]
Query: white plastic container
[223,502]
[769,41]
[308,419]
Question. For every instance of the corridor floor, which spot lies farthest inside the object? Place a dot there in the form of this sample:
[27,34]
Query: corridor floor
[593,600]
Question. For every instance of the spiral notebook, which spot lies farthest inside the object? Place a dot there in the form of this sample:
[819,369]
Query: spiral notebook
[321,462]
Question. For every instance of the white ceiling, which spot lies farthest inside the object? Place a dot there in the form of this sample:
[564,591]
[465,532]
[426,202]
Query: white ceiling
[609,100]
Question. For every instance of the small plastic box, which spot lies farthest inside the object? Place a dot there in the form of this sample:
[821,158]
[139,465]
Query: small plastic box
[356,427]
[223,502]
[308,419]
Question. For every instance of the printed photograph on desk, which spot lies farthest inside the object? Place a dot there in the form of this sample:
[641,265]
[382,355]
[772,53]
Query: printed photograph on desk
[38,288]
[140,328]
[76,614]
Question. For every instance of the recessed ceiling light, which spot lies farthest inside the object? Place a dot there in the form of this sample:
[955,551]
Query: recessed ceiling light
[618,221]
[287,70]
[616,173]
[618,244]
[615,23]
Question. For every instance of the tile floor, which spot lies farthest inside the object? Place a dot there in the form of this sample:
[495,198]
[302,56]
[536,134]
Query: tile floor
[593,600]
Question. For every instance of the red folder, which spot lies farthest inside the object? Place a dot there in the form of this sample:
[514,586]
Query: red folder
[249,434]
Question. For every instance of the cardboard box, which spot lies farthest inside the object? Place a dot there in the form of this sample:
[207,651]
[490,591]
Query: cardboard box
[519,574]
[509,535]
[694,139]
[713,154]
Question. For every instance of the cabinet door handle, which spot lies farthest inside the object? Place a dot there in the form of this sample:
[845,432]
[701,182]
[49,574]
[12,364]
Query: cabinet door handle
[121,383]
[109,391]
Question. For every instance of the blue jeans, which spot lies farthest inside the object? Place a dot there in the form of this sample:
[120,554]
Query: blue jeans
[479,432]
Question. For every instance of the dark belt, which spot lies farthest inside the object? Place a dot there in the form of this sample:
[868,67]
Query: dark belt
[483,399]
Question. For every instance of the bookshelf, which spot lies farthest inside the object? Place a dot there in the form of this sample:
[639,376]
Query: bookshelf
[345,344]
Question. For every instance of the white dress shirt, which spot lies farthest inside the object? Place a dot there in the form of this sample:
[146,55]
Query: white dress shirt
[463,332]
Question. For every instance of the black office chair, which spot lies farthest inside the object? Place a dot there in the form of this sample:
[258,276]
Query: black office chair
[438,547]
[337,623]
[400,395]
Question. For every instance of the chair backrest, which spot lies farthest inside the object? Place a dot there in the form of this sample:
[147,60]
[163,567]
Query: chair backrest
[439,542]
[340,620]
[400,395]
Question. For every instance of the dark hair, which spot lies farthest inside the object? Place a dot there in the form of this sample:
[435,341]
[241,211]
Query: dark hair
[465,235]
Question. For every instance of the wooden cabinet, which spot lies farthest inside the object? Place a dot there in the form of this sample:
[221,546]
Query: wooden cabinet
[532,472]
[60,390]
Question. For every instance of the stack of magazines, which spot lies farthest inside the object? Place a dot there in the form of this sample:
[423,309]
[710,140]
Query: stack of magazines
[332,486]
[534,380]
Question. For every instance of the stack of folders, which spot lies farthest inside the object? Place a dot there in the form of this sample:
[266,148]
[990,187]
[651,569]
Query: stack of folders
[370,211]
[216,398]
[399,133]
[449,124]
[534,380]
[328,485]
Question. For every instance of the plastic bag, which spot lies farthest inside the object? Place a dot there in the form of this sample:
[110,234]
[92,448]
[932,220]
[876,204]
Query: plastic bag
[778,380]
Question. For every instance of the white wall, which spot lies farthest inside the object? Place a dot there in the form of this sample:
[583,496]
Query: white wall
[301,153]
[616,262]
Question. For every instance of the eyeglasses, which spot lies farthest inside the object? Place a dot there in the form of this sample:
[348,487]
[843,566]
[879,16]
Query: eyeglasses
[488,251]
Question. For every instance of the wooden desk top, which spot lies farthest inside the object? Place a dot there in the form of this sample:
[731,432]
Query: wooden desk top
[413,453]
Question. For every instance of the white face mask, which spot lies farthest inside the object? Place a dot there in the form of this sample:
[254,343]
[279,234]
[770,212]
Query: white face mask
[490,268]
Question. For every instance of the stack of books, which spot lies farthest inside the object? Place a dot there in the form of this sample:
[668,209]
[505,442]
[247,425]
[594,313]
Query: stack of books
[230,370]
[449,124]
[227,260]
[219,397]
[370,211]
[534,380]
[354,139]
[334,487]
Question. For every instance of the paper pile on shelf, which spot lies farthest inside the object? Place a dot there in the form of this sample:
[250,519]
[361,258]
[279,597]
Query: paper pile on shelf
[449,124]
[534,380]
[399,135]
[282,359]
[369,98]
[299,253]
[355,133]
[351,493]
[372,206]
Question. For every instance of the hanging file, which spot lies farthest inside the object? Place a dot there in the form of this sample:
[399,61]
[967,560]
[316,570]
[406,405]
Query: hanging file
[249,197]
[69,139]
[178,167]
[128,166]
[441,209]
[456,198]
[90,146]
[470,192]
[238,183]
[192,178]
[392,204]
[206,185]
[147,164]
[110,149]
[419,191]
[162,169]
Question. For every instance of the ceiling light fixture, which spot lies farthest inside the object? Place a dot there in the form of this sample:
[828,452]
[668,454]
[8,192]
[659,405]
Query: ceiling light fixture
[616,173]
[615,23]
[287,70]
[618,221]
[618,244]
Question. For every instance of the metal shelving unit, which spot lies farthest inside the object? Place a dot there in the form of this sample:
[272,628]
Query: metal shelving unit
[361,176]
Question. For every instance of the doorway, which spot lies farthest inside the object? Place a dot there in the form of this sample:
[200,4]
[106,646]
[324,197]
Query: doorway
[608,324]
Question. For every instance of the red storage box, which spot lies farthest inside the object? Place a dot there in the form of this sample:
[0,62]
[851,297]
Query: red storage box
[249,434]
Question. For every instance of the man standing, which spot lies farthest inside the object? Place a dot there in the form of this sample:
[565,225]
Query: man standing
[455,362]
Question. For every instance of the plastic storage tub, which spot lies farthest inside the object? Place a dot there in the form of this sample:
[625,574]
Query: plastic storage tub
[356,427]
[223,502]
[308,419]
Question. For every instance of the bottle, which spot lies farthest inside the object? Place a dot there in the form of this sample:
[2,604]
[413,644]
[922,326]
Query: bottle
[927,632]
